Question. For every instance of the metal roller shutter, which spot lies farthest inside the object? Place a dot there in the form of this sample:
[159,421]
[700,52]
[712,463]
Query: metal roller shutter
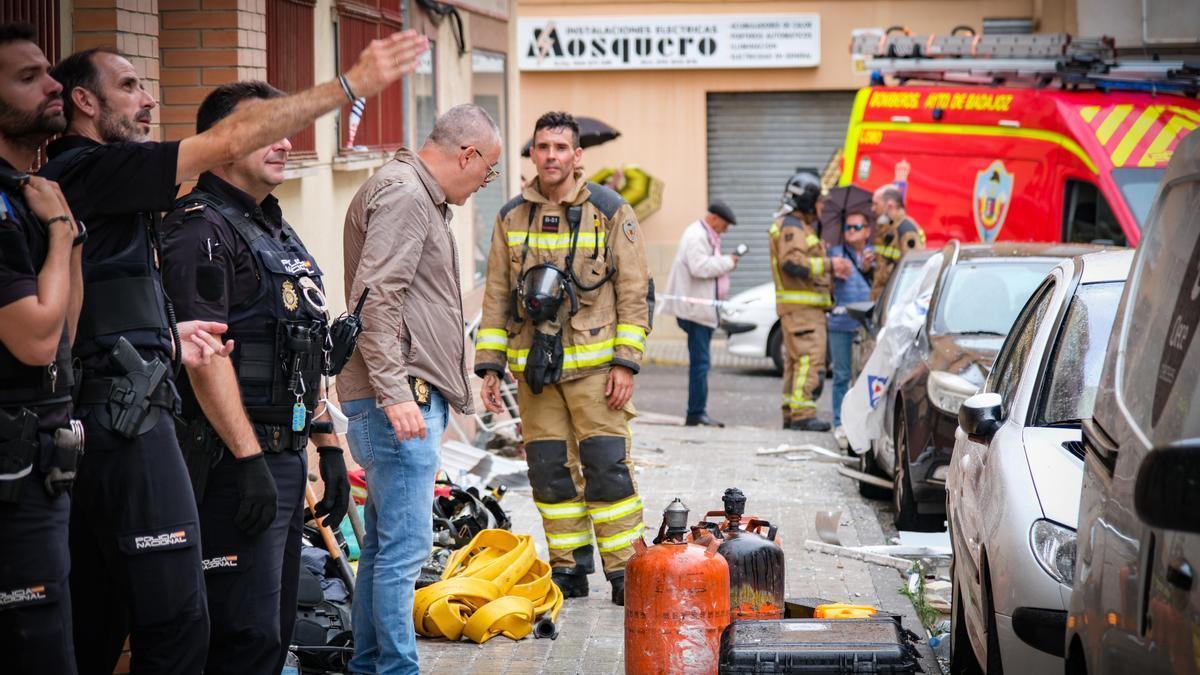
[755,142]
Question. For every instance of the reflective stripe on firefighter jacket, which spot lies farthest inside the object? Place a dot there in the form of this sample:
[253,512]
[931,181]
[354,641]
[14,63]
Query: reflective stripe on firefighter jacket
[613,320]
[891,242]
[796,246]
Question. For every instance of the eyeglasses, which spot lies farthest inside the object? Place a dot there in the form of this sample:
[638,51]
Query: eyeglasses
[854,228]
[493,173]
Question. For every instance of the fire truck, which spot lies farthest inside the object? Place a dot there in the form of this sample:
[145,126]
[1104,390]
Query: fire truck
[1017,137]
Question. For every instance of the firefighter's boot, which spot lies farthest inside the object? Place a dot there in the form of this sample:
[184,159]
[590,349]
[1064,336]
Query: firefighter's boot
[570,582]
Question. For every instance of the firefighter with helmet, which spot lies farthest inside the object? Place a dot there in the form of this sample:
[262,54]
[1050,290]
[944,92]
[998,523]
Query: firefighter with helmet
[803,274]
[567,308]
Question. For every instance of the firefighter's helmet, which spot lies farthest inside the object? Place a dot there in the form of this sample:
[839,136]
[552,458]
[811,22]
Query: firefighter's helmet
[802,192]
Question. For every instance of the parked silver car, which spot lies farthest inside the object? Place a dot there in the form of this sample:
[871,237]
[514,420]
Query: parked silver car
[1135,607]
[1012,492]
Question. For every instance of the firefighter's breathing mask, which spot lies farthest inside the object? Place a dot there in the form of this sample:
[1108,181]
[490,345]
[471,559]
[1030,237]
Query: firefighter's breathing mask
[542,290]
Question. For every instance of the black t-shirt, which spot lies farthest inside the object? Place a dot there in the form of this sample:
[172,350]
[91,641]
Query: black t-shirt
[24,245]
[112,183]
[207,268]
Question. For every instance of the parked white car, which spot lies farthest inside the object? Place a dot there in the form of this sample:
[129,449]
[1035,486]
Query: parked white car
[749,318]
[1013,486]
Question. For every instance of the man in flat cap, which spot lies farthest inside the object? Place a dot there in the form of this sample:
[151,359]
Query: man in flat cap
[699,281]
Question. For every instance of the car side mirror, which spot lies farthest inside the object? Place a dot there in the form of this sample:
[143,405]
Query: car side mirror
[1167,492]
[863,312]
[979,415]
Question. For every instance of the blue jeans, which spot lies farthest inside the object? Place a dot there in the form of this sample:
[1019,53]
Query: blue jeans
[399,532]
[699,337]
[841,350]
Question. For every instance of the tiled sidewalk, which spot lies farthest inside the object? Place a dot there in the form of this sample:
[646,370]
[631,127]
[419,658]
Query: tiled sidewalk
[697,464]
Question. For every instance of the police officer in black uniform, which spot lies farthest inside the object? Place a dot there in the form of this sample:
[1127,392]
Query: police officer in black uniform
[40,291]
[229,256]
[134,532]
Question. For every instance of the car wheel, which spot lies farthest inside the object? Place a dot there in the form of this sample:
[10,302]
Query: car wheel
[775,347]
[995,665]
[867,465]
[906,516]
[962,655]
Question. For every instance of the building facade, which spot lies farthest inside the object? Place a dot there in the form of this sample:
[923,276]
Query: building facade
[185,48]
[733,129]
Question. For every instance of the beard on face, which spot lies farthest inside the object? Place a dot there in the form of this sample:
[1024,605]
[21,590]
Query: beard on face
[31,128]
[116,128]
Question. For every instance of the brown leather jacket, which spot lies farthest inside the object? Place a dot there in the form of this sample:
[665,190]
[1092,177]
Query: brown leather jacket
[413,318]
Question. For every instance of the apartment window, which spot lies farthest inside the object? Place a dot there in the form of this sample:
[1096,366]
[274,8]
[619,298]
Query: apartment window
[44,16]
[424,89]
[359,22]
[290,59]
[488,90]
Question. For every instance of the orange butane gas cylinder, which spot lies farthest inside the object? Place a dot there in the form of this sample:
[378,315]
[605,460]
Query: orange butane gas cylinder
[676,602]
[756,564]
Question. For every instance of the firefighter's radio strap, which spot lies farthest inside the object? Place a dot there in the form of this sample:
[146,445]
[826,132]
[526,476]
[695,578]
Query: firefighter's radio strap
[495,585]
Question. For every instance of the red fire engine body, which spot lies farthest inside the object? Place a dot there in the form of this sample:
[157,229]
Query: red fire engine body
[1018,164]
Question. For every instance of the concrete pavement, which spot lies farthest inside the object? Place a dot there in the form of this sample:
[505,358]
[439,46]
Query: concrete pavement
[697,464]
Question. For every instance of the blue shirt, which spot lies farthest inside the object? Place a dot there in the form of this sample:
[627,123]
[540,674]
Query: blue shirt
[854,289]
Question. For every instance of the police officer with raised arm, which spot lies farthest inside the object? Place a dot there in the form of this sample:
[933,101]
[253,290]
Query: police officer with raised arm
[40,290]
[136,563]
[229,256]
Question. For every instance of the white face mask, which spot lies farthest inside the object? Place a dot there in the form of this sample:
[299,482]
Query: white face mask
[883,219]
[341,423]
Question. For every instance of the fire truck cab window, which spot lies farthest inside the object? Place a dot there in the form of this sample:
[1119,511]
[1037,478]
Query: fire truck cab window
[1088,218]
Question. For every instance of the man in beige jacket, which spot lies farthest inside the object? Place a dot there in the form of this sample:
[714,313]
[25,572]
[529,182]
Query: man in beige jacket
[699,280]
[410,366]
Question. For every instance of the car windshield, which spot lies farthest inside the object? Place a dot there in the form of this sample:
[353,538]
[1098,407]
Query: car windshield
[907,275]
[984,297]
[1074,371]
[1138,187]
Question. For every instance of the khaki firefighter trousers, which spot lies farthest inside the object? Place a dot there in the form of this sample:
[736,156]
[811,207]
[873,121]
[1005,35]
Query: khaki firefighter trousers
[803,362]
[581,473]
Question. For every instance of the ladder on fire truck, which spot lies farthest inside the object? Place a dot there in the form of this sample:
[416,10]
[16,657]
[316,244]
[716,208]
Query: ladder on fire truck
[1054,59]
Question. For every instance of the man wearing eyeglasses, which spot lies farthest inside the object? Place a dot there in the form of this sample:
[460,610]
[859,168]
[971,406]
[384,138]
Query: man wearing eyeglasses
[854,287]
[229,256]
[410,366]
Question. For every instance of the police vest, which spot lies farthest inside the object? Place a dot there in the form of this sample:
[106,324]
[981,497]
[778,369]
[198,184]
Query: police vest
[123,294]
[23,385]
[280,331]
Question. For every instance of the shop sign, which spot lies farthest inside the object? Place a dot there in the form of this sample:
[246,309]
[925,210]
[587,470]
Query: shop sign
[669,42]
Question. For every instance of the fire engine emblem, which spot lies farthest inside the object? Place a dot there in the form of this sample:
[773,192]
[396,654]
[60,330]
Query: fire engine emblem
[991,197]
[290,299]
[875,387]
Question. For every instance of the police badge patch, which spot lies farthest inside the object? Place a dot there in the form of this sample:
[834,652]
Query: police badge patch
[630,231]
[290,300]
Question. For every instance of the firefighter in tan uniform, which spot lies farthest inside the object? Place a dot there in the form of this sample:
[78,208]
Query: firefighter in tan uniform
[803,294]
[895,235]
[567,309]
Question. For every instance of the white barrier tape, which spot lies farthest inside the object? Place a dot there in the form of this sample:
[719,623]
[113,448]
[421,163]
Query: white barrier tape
[711,303]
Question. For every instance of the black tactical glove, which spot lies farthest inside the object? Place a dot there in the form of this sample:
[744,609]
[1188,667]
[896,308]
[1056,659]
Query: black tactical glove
[337,486]
[259,498]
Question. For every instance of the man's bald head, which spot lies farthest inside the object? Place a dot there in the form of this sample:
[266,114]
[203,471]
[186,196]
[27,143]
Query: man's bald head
[463,151]
[464,125]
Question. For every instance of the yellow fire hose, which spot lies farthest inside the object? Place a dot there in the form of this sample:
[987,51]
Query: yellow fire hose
[494,585]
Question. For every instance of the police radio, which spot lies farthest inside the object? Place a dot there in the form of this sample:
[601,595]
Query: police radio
[343,335]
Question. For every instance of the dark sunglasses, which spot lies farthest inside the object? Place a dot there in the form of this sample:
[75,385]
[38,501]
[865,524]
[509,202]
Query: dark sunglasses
[854,228]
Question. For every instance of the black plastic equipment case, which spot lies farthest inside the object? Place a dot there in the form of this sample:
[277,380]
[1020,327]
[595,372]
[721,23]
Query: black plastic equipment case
[875,645]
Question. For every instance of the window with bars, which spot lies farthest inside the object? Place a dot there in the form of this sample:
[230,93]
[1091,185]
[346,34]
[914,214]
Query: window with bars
[382,124]
[290,65]
[44,16]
